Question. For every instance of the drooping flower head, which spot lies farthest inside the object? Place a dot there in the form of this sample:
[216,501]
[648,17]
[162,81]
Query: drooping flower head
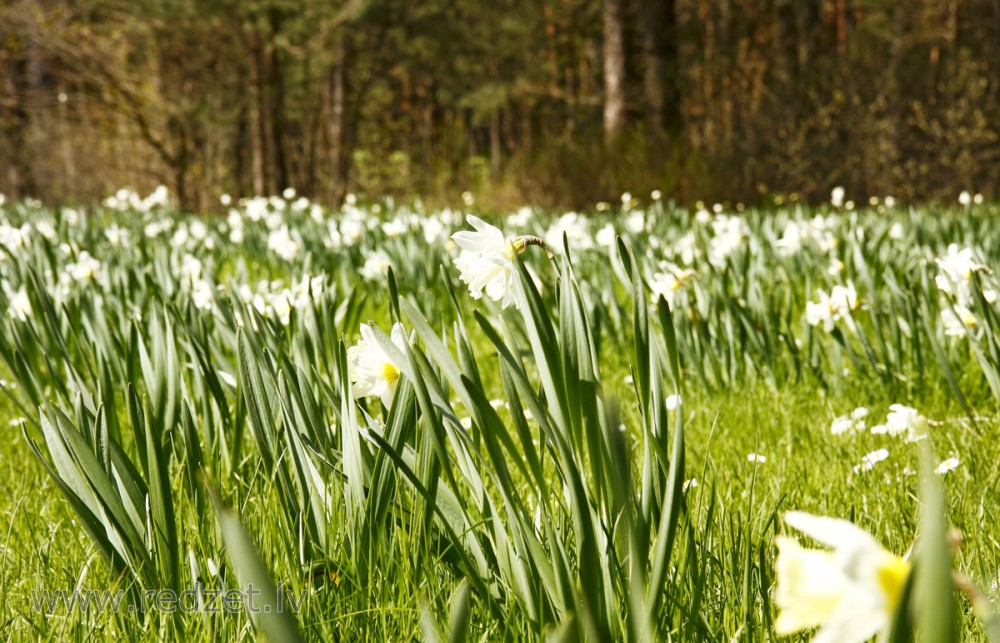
[487,262]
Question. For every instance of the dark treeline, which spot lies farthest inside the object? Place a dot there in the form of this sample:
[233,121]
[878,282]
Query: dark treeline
[560,102]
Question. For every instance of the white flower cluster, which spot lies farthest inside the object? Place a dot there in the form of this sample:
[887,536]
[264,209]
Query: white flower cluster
[903,420]
[14,239]
[129,200]
[817,230]
[117,236]
[274,300]
[966,199]
[285,242]
[834,307]
[192,234]
[954,280]
[686,249]
[853,423]
[728,235]
[201,290]
[900,421]
[84,270]
[870,460]
[577,230]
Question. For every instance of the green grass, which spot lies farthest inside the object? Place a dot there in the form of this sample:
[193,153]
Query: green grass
[221,438]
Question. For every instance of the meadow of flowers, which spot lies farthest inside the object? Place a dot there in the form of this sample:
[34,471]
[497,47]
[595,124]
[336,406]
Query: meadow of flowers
[644,423]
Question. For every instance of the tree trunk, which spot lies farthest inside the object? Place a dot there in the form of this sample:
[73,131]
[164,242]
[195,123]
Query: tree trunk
[995,68]
[673,118]
[36,120]
[179,160]
[258,120]
[334,95]
[69,167]
[660,82]
[240,152]
[808,17]
[614,68]
[276,94]
[14,124]
[495,143]
[20,91]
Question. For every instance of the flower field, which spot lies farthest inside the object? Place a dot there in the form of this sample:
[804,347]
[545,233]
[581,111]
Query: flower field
[645,423]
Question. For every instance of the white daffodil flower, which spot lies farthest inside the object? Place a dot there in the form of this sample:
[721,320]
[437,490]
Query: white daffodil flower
[605,237]
[821,312]
[686,249]
[837,197]
[376,266]
[202,294]
[844,298]
[850,593]
[791,239]
[285,243]
[20,306]
[636,222]
[372,371]
[959,321]
[957,267]
[394,228]
[575,227]
[433,229]
[903,419]
[487,263]
[729,233]
[521,218]
[850,423]
[85,269]
[280,305]
[841,424]
[15,238]
[669,281]
[838,305]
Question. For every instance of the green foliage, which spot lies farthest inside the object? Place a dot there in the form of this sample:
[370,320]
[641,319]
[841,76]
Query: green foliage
[574,467]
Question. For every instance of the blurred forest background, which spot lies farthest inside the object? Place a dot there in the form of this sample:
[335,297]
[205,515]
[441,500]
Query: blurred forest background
[555,102]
